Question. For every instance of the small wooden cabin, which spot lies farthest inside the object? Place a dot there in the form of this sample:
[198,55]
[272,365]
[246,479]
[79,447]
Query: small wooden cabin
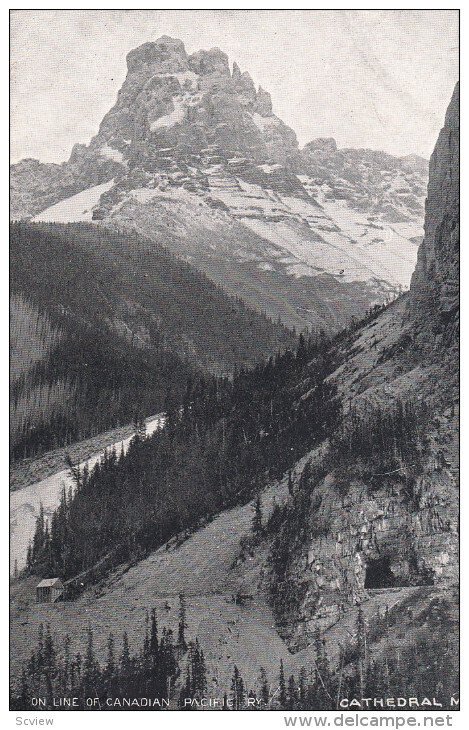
[49,590]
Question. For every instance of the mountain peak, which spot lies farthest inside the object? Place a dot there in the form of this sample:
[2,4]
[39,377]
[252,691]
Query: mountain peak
[166,54]
[204,63]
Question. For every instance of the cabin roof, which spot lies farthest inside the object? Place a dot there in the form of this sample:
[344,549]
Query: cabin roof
[50,583]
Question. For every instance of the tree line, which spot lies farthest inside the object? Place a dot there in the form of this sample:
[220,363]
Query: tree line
[108,324]
[218,449]
[171,673]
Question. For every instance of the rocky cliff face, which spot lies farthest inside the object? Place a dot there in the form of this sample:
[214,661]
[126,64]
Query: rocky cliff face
[189,103]
[371,529]
[193,155]
[435,282]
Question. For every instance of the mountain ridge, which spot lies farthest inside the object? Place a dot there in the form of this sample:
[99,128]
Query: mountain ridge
[361,528]
[191,140]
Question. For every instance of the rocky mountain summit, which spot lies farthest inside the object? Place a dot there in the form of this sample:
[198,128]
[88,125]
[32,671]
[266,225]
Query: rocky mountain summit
[193,155]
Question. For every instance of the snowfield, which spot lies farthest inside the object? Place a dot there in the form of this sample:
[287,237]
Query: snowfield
[307,236]
[77,209]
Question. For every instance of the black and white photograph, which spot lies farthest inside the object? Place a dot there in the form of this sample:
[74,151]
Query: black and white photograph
[234,362]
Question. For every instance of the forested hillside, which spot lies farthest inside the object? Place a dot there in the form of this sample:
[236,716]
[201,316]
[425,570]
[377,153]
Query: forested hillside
[107,326]
[216,451]
[169,671]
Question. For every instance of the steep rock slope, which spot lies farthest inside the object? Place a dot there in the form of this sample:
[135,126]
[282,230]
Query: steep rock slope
[195,157]
[435,282]
[375,521]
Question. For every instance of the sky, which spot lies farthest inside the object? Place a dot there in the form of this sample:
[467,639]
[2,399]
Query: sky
[369,78]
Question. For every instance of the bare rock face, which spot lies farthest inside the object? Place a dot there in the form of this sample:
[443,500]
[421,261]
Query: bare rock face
[322,144]
[363,542]
[185,104]
[166,55]
[391,188]
[369,537]
[435,283]
[197,160]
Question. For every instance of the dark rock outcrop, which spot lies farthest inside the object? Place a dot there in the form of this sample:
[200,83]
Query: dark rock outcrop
[367,530]
[435,283]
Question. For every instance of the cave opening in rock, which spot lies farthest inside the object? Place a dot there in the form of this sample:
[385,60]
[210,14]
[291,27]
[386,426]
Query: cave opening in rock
[379,574]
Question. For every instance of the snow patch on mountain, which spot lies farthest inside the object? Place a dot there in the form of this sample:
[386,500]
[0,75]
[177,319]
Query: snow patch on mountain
[268,169]
[174,117]
[263,123]
[111,153]
[76,209]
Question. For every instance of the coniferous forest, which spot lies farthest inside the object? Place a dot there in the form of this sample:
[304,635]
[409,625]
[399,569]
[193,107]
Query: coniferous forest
[106,326]
[169,672]
[218,449]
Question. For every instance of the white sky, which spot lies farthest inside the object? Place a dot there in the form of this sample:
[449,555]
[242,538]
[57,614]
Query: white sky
[370,78]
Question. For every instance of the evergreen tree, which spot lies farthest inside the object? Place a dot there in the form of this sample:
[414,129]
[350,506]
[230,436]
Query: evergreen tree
[291,693]
[282,687]
[237,690]
[125,668]
[302,688]
[264,688]
[361,650]
[154,645]
[182,625]
[49,650]
[110,670]
[257,519]
[90,667]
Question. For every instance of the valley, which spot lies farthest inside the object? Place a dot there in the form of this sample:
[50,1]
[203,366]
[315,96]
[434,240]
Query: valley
[287,526]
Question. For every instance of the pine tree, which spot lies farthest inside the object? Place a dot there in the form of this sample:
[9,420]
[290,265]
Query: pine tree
[125,663]
[264,688]
[360,632]
[24,695]
[37,550]
[182,626]
[282,688]
[66,679]
[49,650]
[154,646]
[139,426]
[322,692]
[291,693]
[186,690]
[257,519]
[237,690]
[198,670]
[110,670]
[302,688]
[90,666]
